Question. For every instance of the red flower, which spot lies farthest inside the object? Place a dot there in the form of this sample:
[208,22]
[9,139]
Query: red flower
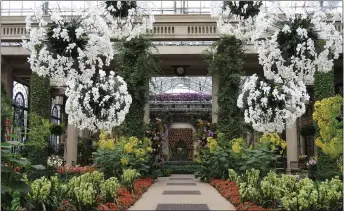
[108,207]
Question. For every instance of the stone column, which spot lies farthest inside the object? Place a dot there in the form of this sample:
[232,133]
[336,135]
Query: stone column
[215,105]
[147,114]
[71,145]
[291,138]
[6,78]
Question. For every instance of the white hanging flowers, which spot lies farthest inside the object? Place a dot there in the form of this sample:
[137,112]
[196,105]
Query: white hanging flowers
[64,44]
[128,19]
[299,42]
[271,105]
[99,105]
[74,51]
[236,18]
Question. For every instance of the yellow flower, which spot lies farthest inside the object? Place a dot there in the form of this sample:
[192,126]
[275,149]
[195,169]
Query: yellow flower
[140,152]
[106,144]
[149,149]
[103,135]
[236,147]
[328,115]
[133,141]
[212,144]
[124,161]
[128,148]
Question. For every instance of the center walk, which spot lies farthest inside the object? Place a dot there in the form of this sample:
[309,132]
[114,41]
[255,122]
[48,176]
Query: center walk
[181,192]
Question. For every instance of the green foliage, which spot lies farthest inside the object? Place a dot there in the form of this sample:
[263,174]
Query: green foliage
[226,60]
[308,130]
[13,183]
[40,96]
[39,132]
[56,129]
[166,172]
[323,85]
[215,161]
[287,192]
[126,154]
[40,112]
[324,88]
[136,64]
[262,157]
[185,169]
[6,110]
[128,177]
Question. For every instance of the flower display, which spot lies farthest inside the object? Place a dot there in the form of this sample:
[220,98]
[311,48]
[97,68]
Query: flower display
[328,113]
[64,45]
[127,19]
[55,161]
[101,104]
[105,142]
[298,43]
[275,141]
[68,169]
[271,105]
[212,144]
[242,12]
[312,161]
[109,188]
[40,190]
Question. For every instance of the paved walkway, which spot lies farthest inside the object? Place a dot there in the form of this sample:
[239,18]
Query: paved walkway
[181,192]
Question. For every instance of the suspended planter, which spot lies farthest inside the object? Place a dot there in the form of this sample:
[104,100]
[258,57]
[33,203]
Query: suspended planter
[120,8]
[243,9]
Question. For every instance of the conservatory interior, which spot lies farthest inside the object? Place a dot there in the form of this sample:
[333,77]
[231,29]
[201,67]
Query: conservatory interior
[103,102]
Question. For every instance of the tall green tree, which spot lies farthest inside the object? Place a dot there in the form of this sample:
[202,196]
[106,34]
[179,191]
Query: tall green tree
[226,60]
[136,64]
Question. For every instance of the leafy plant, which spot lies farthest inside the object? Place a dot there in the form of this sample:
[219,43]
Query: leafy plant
[13,182]
[6,110]
[261,157]
[226,60]
[324,88]
[56,129]
[308,130]
[136,64]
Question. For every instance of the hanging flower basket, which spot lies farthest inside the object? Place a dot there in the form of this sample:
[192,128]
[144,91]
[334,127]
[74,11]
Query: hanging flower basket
[270,105]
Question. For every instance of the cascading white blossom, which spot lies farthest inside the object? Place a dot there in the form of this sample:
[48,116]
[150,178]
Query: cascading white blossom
[74,52]
[270,106]
[304,26]
[64,44]
[99,105]
[238,25]
[137,20]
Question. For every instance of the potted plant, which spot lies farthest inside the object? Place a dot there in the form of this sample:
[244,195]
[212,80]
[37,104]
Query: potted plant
[312,167]
[56,129]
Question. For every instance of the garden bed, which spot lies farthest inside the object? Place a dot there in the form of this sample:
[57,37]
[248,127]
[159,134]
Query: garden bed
[230,191]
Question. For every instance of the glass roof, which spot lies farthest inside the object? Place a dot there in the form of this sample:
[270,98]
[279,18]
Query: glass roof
[23,8]
[173,85]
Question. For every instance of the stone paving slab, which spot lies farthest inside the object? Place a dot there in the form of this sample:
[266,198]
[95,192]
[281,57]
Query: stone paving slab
[181,178]
[181,192]
[182,183]
[162,207]
[154,196]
